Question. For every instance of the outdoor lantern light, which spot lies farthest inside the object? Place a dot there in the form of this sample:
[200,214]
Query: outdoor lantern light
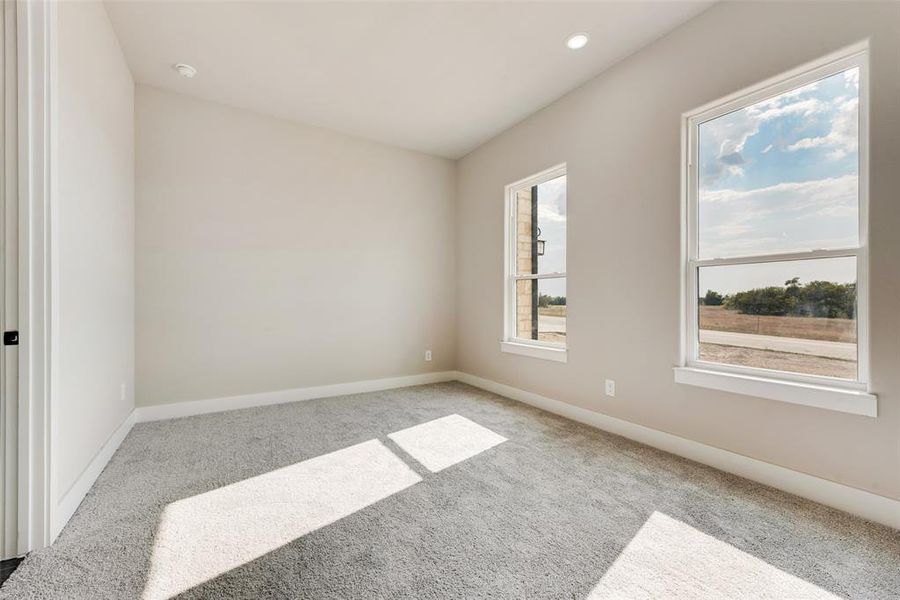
[540,244]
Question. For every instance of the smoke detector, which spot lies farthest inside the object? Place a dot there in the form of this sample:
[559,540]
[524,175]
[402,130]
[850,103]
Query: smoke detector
[185,70]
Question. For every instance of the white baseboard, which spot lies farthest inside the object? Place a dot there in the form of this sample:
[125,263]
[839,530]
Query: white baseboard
[70,501]
[199,407]
[849,499]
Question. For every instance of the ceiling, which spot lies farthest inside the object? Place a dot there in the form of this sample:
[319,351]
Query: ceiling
[438,77]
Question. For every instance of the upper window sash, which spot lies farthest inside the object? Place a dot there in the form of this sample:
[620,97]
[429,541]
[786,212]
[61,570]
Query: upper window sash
[855,57]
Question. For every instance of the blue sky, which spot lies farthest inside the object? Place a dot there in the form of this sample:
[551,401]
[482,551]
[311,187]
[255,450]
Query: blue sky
[781,176]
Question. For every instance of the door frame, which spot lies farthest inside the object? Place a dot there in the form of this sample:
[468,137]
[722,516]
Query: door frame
[37,247]
[9,235]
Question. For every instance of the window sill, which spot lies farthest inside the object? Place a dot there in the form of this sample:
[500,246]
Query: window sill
[855,402]
[534,351]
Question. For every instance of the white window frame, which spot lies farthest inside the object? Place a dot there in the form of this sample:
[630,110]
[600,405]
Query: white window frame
[823,392]
[510,342]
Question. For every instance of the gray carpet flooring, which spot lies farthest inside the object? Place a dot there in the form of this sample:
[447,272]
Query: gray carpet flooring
[557,510]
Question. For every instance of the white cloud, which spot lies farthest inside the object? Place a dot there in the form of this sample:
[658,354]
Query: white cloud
[844,135]
[730,133]
[550,212]
[806,143]
[779,218]
[794,93]
[805,108]
[767,149]
[817,190]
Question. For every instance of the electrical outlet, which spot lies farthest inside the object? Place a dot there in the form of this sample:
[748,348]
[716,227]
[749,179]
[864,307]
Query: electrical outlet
[428,356]
[610,387]
[122,390]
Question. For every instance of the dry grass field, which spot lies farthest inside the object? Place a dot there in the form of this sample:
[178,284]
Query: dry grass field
[552,336]
[554,310]
[833,330]
[718,319]
[779,361]
[556,337]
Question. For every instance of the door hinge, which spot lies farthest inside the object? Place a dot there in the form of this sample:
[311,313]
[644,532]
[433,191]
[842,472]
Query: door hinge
[10,338]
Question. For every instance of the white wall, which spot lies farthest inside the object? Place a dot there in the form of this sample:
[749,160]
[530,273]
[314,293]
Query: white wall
[273,256]
[95,295]
[620,135]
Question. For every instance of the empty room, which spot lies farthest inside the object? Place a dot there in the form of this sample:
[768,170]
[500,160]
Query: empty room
[450,299]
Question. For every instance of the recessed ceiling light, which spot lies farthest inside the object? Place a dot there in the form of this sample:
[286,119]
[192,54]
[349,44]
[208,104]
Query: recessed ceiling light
[186,71]
[577,41]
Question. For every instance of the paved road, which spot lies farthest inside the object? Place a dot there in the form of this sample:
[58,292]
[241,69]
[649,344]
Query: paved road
[551,324]
[840,350]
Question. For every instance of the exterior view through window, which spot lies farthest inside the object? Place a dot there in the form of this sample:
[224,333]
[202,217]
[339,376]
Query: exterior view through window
[537,275]
[776,227]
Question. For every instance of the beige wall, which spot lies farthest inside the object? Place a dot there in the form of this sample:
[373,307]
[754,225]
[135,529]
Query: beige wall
[95,298]
[273,256]
[619,135]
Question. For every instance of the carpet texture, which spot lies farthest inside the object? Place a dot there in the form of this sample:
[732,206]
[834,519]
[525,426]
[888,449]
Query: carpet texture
[438,491]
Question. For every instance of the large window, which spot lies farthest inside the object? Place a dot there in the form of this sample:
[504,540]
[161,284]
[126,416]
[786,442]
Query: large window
[535,282]
[776,263]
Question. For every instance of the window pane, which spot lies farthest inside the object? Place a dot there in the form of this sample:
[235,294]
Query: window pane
[797,316]
[782,175]
[541,310]
[541,228]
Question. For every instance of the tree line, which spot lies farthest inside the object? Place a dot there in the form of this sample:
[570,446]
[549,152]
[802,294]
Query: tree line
[814,299]
[544,301]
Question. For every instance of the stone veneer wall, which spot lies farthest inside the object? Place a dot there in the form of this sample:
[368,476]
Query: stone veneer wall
[524,314]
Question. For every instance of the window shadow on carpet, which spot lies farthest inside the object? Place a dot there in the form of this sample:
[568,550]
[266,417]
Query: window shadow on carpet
[559,512]
[670,559]
[207,535]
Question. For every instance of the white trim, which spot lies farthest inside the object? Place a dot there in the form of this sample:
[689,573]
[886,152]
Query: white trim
[73,498]
[805,385]
[559,354]
[874,507]
[855,402]
[778,257]
[175,410]
[554,275]
[36,46]
[774,374]
[538,178]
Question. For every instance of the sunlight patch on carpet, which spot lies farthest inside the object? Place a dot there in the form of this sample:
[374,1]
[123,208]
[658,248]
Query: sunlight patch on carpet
[444,442]
[670,559]
[202,537]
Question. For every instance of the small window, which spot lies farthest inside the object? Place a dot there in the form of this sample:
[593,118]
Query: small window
[775,231]
[535,280]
